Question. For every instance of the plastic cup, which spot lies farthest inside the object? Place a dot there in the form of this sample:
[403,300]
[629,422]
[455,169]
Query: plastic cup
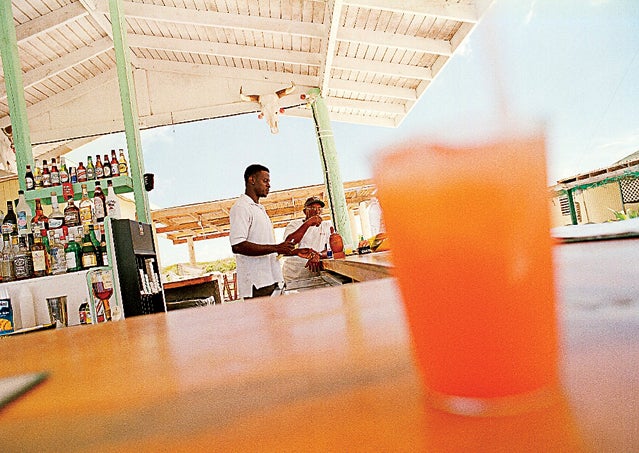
[58,310]
[472,255]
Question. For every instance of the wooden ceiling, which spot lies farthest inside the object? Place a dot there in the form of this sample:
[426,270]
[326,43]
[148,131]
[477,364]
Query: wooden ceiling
[372,59]
[210,220]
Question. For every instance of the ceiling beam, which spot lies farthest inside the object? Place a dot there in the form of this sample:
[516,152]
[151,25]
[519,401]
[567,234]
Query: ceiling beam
[330,42]
[382,67]
[385,39]
[365,106]
[365,120]
[230,72]
[196,17]
[224,50]
[62,63]
[447,10]
[50,21]
[374,89]
[52,102]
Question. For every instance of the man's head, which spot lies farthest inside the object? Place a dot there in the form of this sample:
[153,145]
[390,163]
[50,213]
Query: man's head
[257,181]
[313,206]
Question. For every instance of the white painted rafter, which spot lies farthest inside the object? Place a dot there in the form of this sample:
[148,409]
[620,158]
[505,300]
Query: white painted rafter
[385,39]
[50,21]
[334,7]
[444,10]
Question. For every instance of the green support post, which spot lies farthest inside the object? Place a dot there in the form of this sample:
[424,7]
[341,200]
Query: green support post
[571,203]
[15,91]
[330,166]
[129,111]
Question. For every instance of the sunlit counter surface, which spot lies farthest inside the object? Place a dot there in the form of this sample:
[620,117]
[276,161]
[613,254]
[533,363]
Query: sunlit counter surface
[324,370]
[370,266]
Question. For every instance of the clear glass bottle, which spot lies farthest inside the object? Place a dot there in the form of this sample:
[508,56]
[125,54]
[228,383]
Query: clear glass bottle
[64,172]
[112,202]
[6,263]
[90,169]
[56,218]
[23,214]
[123,167]
[86,207]
[58,257]
[37,174]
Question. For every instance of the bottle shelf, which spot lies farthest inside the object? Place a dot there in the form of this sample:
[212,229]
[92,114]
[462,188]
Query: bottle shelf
[121,184]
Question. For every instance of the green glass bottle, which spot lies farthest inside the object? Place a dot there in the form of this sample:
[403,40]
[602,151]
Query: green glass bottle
[73,253]
[89,253]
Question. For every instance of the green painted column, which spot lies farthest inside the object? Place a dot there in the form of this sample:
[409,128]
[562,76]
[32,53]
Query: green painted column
[571,203]
[129,111]
[15,91]
[330,166]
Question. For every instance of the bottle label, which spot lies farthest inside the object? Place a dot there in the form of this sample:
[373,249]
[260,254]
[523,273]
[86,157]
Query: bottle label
[107,171]
[72,263]
[55,223]
[70,219]
[99,208]
[64,177]
[89,260]
[22,221]
[8,228]
[58,261]
[21,266]
[29,183]
[90,173]
[39,260]
[122,168]
[55,179]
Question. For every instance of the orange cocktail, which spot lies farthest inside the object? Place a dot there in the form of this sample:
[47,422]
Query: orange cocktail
[472,253]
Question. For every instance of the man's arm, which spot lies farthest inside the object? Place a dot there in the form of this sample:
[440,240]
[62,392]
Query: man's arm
[296,236]
[252,249]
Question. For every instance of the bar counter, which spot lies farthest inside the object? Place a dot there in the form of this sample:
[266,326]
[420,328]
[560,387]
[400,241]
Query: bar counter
[323,370]
[369,266]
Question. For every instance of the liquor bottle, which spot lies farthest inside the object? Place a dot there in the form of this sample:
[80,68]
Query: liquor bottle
[99,170]
[112,202]
[39,256]
[104,252]
[89,253]
[64,172]
[29,179]
[73,175]
[81,172]
[115,167]
[123,167]
[86,207]
[55,173]
[90,169]
[58,257]
[71,214]
[24,214]
[22,263]
[99,203]
[6,263]
[39,220]
[10,221]
[46,175]
[56,218]
[106,168]
[73,254]
[96,245]
[84,313]
[37,174]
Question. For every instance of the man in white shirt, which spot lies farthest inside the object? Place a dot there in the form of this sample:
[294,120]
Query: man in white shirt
[253,240]
[311,232]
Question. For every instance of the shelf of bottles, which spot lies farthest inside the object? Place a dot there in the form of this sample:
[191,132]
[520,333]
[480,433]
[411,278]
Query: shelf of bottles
[121,184]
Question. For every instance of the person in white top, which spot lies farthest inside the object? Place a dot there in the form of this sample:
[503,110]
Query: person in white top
[253,240]
[311,232]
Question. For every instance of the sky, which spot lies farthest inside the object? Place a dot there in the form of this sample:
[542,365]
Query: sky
[571,65]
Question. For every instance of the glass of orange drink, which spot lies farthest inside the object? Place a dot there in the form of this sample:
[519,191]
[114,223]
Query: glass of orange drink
[472,256]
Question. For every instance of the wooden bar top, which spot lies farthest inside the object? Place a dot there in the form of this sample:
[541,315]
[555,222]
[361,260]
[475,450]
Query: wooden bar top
[323,370]
[369,266]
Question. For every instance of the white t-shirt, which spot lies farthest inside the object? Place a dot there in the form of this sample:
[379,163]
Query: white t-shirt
[250,222]
[315,238]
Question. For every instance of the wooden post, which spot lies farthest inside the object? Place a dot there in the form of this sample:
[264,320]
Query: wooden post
[330,166]
[15,91]
[129,111]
